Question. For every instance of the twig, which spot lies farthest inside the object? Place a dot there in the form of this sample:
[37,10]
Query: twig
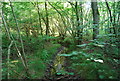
[62,77]
[17,73]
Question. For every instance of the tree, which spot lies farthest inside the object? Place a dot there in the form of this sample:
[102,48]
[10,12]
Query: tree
[47,19]
[95,13]
[23,51]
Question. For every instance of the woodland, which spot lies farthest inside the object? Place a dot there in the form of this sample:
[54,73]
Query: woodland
[60,40]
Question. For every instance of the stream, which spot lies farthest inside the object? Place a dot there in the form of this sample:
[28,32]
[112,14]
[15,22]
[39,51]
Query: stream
[56,65]
[57,68]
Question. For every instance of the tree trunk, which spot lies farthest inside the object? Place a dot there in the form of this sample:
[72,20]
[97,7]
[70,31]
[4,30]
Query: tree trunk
[41,30]
[95,18]
[112,18]
[78,22]
[22,46]
[79,19]
[47,20]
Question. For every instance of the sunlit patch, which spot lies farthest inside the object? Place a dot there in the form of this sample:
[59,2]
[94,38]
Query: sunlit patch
[99,60]
[14,61]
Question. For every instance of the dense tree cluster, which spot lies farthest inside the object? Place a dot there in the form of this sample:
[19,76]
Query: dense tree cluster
[42,36]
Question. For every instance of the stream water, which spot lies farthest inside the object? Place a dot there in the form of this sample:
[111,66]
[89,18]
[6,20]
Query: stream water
[58,66]
[58,69]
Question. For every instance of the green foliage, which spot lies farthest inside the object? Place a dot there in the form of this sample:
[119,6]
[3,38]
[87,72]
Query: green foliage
[71,54]
[90,60]
[67,24]
[37,66]
[92,67]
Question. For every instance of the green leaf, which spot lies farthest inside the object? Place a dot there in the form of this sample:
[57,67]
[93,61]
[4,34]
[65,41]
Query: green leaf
[98,45]
[71,73]
[74,53]
[71,54]
[82,45]
[101,76]
[59,73]
[64,55]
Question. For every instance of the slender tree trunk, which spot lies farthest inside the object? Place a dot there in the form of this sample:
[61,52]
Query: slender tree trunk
[63,20]
[41,30]
[78,22]
[95,18]
[12,39]
[112,18]
[24,57]
[81,19]
[8,58]
[110,13]
[47,19]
